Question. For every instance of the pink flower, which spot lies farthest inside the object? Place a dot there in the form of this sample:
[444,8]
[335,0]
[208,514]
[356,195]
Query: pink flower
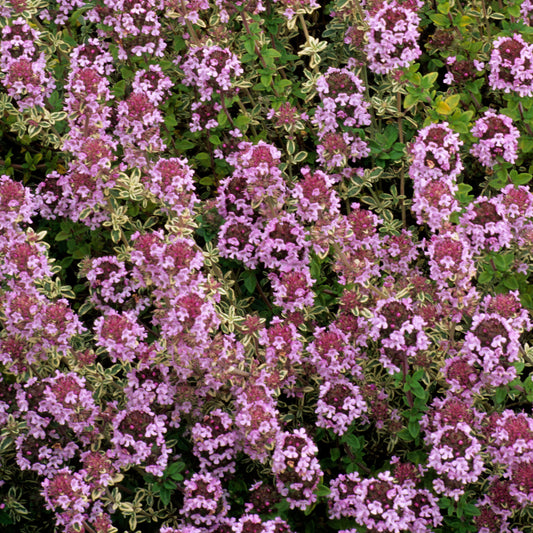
[17,203]
[296,468]
[119,334]
[511,67]
[292,290]
[211,69]
[498,138]
[340,403]
[392,37]
[216,442]
[204,500]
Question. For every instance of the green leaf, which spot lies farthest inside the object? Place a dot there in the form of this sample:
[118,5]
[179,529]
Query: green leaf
[511,283]
[414,428]
[440,20]
[443,7]
[352,441]
[174,470]
[250,280]
[291,147]
[463,195]
[5,519]
[471,510]
[410,100]
[514,10]
[521,179]
[169,484]
[119,89]
[170,121]
[165,496]
[443,108]
[447,106]
[445,503]
[266,79]
[73,19]
[526,144]
[215,140]
[184,144]
[405,435]
[501,394]
[85,308]
[5,443]
[115,237]
[429,79]
[335,453]
[485,276]
[203,158]
[503,262]
[207,181]
[498,183]
[62,236]
[270,52]
[300,156]
[315,267]
[241,121]
[416,389]
[249,46]
[519,365]
[83,251]
[323,490]
[418,375]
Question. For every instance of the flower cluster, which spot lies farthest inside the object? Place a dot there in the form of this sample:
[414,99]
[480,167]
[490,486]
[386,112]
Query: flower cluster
[204,500]
[258,230]
[356,245]
[400,330]
[211,69]
[68,495]
[451,259]
[133,24]
[511,67]
[171,182]
[24,68]
[492,344]
[512,435]
[138,438]
[339,404]
[498,138]
[257,420]
[342,111]
[392,36]
[451,430]
[484,227]
[215,442]
[435,165]
[383,503]
[296,468]
[138,122]
[82,188]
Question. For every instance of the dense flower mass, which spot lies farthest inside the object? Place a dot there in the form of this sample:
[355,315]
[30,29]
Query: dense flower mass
[265,267]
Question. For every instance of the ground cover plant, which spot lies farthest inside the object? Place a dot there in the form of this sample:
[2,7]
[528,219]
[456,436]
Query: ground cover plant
[265,266]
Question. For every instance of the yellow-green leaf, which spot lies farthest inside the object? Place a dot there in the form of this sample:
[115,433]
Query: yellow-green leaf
[443,108]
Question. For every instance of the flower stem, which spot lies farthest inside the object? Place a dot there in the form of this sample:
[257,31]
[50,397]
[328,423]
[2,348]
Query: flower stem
[402,175]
